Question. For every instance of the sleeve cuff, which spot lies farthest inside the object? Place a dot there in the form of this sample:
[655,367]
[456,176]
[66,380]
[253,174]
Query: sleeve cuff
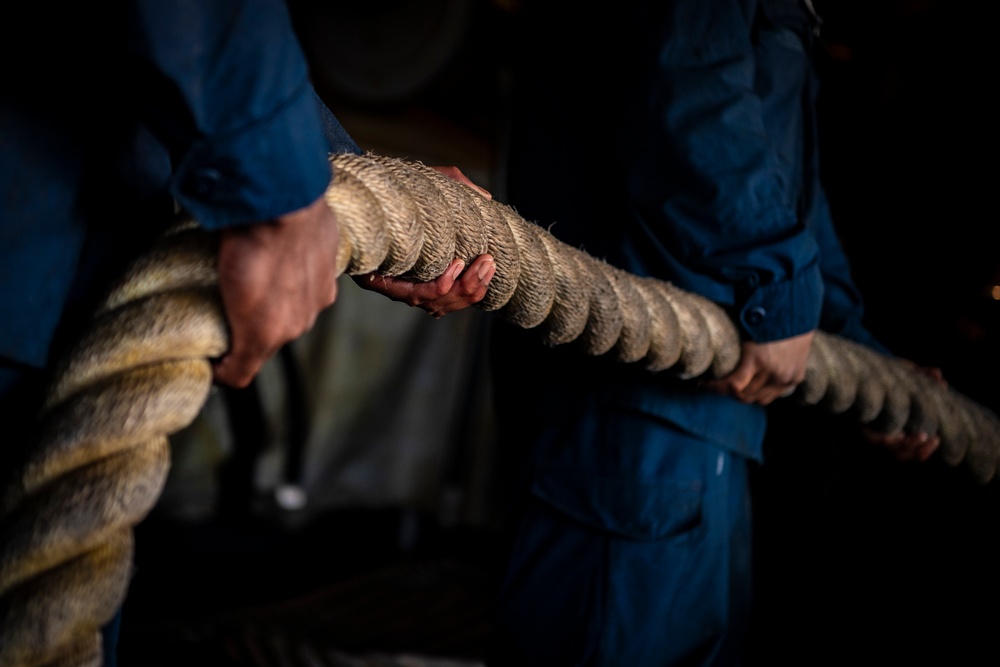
[783,309]
[276,165]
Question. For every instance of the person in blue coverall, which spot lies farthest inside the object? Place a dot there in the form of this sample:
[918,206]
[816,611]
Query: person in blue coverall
[111,120]
[677,140]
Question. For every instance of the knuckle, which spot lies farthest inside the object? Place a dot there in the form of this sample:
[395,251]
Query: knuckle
[785,378]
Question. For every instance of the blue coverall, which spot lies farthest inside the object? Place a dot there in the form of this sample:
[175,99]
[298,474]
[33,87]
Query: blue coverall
[108,118]
[675,139]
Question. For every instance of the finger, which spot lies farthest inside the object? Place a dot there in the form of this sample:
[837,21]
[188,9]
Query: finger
[237,369]
[481,191]
[789,391]
[251,347]
[446,281]
[468,290]
[440,286]
[769,395]
[395,289]
[444,305]
[241,362]
[906,447]
[475,281]
[928,449]
[435,297]
[937,375]
[882,439]
[756,390]
[456,174]
[735,382]
[725,386]
[328,295]
[413,294]
[914,446]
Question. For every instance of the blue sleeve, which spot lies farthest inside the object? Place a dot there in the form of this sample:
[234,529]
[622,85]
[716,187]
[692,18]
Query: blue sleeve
[708,166]
[228,93]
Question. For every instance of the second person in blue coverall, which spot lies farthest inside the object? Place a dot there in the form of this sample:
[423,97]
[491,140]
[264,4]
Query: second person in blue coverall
[675,140]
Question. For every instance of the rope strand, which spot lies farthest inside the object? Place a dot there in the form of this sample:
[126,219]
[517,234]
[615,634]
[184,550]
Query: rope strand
[142,372]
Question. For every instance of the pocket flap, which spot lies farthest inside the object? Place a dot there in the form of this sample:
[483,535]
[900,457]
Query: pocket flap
[638,510]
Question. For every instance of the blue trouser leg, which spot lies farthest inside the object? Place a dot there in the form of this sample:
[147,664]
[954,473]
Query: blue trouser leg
[640,556]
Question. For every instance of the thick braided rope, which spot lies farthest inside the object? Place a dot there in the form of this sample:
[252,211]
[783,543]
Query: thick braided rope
[142,372]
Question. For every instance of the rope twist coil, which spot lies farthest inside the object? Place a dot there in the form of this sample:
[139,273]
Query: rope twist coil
[143,371]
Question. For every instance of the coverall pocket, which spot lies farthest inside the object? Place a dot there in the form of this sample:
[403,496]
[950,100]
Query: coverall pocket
[628,508]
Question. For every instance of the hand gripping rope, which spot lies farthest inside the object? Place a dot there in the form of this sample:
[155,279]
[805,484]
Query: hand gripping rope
[143,371]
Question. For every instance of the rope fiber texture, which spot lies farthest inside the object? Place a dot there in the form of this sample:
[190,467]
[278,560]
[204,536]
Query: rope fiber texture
[142,371]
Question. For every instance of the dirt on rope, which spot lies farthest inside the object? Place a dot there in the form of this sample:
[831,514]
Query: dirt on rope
[143,371]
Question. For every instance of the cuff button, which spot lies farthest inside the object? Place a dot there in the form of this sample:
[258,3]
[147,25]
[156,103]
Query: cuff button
[755,316]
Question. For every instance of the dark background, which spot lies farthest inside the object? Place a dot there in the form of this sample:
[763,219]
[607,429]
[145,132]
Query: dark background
[859,556]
